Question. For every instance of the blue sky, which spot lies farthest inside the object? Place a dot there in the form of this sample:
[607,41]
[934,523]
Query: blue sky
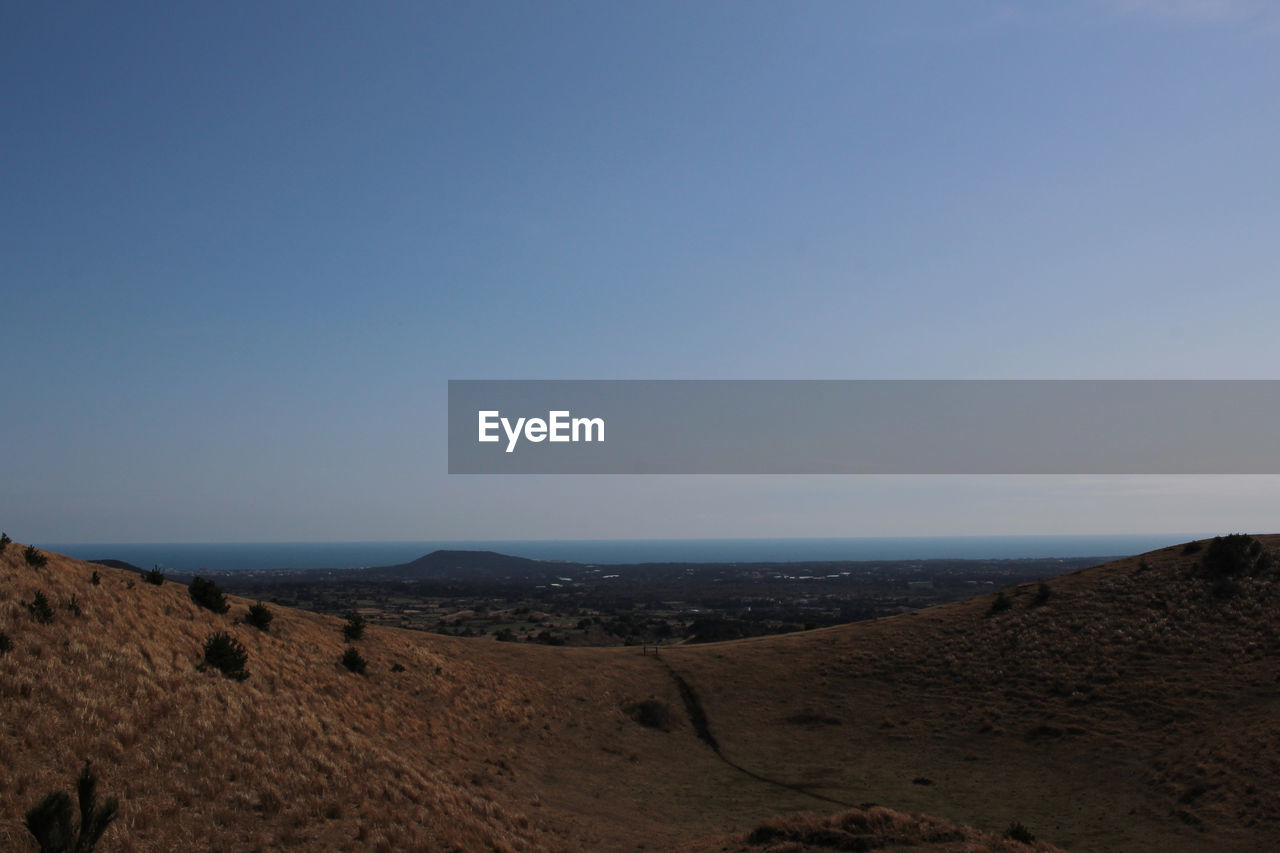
[243,247]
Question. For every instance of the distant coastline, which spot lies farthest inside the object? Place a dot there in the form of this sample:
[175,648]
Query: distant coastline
[234,556]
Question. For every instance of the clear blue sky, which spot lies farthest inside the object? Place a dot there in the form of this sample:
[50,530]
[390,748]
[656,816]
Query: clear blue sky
[243,246]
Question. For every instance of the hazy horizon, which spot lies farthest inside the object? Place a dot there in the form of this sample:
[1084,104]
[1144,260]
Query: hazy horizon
[190,557]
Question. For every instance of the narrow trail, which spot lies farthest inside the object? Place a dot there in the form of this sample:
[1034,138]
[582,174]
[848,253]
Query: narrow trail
[702,727]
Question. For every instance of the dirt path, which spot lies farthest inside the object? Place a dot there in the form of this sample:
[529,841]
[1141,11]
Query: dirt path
[702,727]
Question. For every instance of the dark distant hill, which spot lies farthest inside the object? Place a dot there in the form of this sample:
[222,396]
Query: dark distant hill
[469,564]
[117,564]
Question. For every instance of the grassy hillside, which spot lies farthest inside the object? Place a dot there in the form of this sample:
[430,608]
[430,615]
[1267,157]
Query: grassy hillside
[1131,709]
[1133,706]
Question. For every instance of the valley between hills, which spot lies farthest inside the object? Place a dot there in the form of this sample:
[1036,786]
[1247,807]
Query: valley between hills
[1127,706]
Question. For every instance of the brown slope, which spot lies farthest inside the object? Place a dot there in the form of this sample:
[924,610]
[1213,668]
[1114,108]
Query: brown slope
[1102,720]
[457,751]
[474,746]
[1133,710]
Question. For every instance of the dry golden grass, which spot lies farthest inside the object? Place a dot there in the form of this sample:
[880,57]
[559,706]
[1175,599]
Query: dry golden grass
[1131,711]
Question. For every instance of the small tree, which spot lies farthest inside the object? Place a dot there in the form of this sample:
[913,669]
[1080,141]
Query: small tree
[40,610]
[352,660]
[6,645]
[1236,554]
[354,629]
[95,578]
[1043,592]
[225,654]
[155,576]
[1000,605]
[259,616]
[34,558]
[206,594]
[1018,832]
[4,541]
[50,820]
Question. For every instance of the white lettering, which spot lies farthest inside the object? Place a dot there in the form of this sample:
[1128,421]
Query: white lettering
[487,423]
[588,424]
[512,434]
[558,427]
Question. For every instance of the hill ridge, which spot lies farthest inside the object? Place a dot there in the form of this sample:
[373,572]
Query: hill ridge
[961,711]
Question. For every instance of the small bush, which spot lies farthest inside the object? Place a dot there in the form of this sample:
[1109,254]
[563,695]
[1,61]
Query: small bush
[1231,555]
[397,667]
[505,635]
[95,578]
[6,645]
[354,629]
[50,820]
[1018,832]
[1192,548]
[4,541]
[206,594]
[1000,605]
[259,616]
[40,610]
[73,606]
[225,654]
[352,660]
[34,558]
[155,576]
[651,713]
[1043,592]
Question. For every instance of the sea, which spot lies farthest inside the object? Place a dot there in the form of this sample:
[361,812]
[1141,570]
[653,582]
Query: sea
[247,556]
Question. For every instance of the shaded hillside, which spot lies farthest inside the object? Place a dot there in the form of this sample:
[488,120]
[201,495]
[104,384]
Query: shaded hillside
[871,828]
[1131,707]
[1128,706]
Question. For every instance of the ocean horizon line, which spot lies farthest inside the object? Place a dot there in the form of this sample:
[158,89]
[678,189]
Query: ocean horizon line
[248,556]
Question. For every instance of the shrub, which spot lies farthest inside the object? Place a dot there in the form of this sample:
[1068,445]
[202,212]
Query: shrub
[40,609]
[74,606]
[6,645]
[4,541]
[206,594]
[1231,555]
[652,713]
[34,558]
[354,629]
[155,576]
[259,616]
[1018,832]
[1043,591]
[352,660]
[1000,605]
[505,635]
[225,654]
[95,578]
[1192,548]
[397,667]
[50,820]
